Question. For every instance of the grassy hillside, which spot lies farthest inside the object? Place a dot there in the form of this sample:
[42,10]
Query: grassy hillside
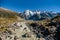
[8,17]
[7,14]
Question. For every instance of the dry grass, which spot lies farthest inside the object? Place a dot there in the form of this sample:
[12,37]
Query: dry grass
[4,22]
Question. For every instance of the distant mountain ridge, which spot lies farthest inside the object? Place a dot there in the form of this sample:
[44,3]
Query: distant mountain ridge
[38,15]
[28,14]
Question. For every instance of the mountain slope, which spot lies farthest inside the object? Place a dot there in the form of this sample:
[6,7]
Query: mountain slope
[8,16]
[7,13]
[57,18]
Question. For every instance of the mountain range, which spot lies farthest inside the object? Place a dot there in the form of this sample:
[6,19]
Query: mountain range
[38,15]
[28,14]
[26,29]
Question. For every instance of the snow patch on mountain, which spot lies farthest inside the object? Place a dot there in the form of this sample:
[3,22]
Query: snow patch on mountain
[38,15]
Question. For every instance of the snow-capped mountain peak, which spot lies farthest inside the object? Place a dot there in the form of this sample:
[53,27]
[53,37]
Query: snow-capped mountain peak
[38,15]
[28,12]
[38,12]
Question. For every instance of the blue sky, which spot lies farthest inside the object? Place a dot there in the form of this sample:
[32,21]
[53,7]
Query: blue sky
[22,5]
